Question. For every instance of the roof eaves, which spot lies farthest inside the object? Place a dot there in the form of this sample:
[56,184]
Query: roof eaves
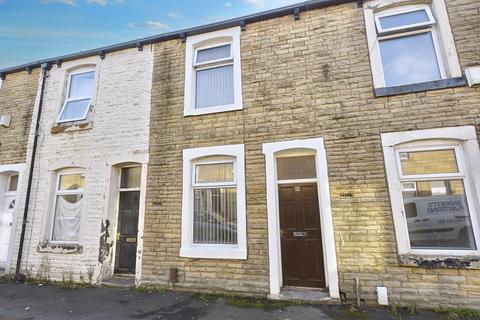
[256,17]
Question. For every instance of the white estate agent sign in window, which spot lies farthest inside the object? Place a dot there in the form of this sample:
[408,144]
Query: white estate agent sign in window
[433,176]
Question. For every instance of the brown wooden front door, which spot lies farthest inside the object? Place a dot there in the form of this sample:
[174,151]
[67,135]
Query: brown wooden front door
[302,254]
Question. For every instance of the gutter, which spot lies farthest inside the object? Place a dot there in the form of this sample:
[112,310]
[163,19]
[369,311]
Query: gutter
[18,276]
[294,9]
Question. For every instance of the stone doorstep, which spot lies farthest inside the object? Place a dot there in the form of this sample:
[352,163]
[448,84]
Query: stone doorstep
[304,294]
[120,281]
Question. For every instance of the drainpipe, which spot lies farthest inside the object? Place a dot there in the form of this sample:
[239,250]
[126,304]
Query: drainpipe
[44,67]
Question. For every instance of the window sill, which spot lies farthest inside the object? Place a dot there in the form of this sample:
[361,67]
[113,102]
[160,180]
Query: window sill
[419,87]
[209,110]
[214,253]
[60,248]
[439,262]
[71,126]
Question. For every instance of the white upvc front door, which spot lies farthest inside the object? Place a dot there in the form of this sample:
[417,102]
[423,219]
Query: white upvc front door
[6,219]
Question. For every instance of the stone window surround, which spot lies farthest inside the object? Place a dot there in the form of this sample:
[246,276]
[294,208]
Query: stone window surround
[315,146]
[71,67]
[465,139]
[447,54]
[196,42]
[220,251]
[46,245]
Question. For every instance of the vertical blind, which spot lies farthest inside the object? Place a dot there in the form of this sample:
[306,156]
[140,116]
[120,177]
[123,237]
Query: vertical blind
[214,87]
[215,216]
[212,54]
[214,82]
[215,204]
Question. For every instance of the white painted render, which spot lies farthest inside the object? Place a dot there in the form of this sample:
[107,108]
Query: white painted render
[116,134]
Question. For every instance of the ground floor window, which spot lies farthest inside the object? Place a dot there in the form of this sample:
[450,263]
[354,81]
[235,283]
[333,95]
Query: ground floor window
[213,214]
[432,176]
[69,192]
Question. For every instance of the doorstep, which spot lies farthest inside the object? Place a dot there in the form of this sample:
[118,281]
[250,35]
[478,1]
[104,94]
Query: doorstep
[120,281]
[304,294]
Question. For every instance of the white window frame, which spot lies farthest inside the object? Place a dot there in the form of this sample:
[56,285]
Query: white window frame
[213,184]
[191,157]
[67,93]
[219,44]
[57,193]
[403,10]
[465,143]
[206,41]
[439,27]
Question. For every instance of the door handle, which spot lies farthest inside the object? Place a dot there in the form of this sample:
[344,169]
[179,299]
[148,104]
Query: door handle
[283,233]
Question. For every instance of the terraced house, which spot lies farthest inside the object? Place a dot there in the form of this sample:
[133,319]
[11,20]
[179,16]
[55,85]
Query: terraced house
[326,150]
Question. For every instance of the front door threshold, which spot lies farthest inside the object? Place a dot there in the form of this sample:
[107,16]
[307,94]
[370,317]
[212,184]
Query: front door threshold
[120,281]
[303,294]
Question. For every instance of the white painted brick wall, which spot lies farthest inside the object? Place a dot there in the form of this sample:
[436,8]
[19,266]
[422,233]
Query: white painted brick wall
[120,129]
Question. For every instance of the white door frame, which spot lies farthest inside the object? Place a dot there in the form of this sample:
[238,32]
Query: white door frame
[12,169]
[270,151]
[114,165]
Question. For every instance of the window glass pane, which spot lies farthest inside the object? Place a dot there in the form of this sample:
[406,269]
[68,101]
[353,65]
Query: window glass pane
[409,59]
[71,182]
[66,224]
[212,54]
[13,184]
[214,87]
[81,85]
[74,110]
[131,177]
[404,19]
[438,216]
[428,162]
[215,216]
[214,172]
[296,168]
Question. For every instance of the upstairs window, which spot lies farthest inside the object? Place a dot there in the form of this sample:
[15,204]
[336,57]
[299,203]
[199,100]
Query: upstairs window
[408,47]
[214,77]
[78,96]
[213,72]
[68,204]
[409,44]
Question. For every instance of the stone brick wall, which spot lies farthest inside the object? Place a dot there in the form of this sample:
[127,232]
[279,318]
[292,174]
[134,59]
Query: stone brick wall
[118,132]
[304,79]
[17,97]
